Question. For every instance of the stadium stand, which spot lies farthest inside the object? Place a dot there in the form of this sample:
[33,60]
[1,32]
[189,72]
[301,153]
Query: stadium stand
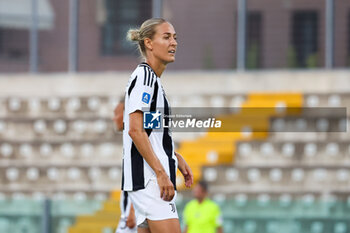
[63,147]
[295,182]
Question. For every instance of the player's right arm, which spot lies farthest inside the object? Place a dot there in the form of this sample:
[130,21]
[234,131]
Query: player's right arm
[143,145]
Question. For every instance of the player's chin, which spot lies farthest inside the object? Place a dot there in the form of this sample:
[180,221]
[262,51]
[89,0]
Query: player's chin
[171,58]
[168,60]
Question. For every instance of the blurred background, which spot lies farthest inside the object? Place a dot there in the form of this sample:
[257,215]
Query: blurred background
[64,64]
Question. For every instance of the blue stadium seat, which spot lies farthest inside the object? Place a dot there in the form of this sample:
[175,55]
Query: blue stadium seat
[250,226]
[334,101]
[5,225]
[60,126]
[272,227]
[54,104]
[73,104]
[45,149]
[317,227]
[87,149]
[15,104]
[40,126]
[6,150]
[93,103]
[340,227]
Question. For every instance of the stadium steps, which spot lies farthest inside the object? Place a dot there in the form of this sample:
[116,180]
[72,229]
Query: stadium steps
[104,220]
[251,121]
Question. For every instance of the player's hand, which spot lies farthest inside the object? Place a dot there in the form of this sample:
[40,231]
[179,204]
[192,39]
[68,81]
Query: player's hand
[185,170]
[131,222]
[166,187]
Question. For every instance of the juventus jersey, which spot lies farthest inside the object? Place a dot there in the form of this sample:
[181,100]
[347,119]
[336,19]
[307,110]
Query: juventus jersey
[144,92]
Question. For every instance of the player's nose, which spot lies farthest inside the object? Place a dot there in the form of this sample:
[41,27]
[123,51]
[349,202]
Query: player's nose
[173,42]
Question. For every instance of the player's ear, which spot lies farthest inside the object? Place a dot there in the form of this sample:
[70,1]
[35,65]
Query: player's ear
[148,43]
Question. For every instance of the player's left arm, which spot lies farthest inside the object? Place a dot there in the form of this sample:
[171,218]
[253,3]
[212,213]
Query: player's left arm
[118,116]
[185,170]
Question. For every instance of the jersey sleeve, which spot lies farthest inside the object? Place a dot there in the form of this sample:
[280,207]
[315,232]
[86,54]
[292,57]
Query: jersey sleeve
[141,91]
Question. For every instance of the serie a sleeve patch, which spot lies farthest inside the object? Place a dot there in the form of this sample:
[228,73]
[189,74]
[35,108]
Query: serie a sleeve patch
[146,97]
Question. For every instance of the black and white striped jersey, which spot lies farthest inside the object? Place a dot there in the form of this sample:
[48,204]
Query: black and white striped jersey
[144,92]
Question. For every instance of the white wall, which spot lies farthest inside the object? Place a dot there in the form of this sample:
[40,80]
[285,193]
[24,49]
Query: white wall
[177,83]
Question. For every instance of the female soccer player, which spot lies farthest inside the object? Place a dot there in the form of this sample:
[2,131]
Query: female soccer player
[149,161]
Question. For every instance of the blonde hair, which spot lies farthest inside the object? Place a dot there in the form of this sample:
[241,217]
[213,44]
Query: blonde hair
[147,30]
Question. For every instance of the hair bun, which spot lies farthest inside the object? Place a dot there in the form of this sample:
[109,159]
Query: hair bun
[146,30]
[134,34]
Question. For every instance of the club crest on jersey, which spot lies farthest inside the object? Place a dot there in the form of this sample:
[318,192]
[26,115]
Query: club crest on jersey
[173,207]
[146,97]
[152,120]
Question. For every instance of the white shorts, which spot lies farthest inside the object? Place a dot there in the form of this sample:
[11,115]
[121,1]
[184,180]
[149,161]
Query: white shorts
[148,204]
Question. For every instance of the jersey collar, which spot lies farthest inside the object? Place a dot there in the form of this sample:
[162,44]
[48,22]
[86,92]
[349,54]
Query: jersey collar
[146,64]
